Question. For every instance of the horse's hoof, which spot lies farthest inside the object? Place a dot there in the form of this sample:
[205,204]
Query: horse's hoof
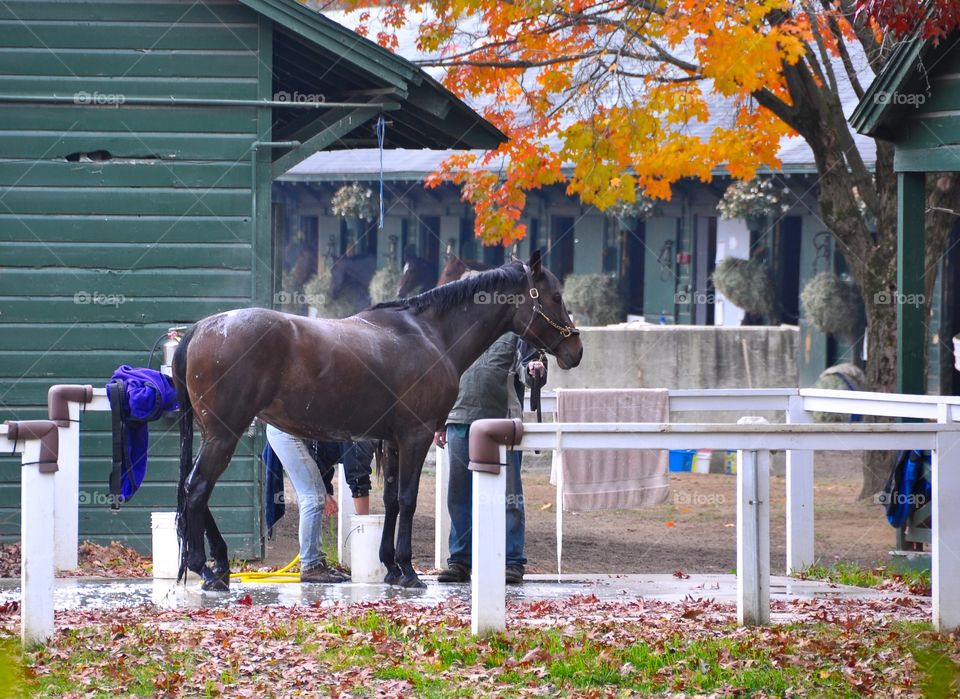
[412,582]
[393,577]
[213,582]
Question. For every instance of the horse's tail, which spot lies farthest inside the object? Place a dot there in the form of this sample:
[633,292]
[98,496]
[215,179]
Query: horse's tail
[379,457]
[186,443]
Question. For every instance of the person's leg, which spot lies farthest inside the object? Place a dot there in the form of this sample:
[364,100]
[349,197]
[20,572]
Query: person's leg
[356,470]
[459,499]
[516,518]
[304,475]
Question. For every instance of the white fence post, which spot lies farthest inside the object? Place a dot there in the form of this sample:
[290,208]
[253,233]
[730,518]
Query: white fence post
[441,532]
[67,504]
[37,492]
[489,546]
[800,520]
[753,534]
[945,521]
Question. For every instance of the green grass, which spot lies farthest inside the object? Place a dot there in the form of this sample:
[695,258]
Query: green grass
[13,682]
[846,573]
[364,651]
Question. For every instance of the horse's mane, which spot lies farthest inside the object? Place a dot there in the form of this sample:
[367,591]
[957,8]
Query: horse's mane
[455,293]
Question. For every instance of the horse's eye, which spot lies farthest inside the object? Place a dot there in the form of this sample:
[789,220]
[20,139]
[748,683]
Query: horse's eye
[557,298]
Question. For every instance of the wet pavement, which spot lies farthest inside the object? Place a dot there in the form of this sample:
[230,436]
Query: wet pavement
[103,593]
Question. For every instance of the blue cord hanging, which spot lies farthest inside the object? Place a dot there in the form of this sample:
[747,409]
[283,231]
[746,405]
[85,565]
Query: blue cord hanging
[381,128]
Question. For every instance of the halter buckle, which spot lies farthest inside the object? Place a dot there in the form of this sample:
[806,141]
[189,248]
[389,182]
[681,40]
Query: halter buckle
[534,292]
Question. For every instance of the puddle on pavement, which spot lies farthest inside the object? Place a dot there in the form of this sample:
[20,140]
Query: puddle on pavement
[79,593]
[105,594]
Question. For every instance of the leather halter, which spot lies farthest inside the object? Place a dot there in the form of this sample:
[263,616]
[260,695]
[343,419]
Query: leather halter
[564,330]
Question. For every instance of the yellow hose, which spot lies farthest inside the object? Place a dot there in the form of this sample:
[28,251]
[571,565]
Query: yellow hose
[270,576]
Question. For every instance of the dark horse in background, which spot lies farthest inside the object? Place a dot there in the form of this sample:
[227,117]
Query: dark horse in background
[418,273]
[389,373]
[355,269]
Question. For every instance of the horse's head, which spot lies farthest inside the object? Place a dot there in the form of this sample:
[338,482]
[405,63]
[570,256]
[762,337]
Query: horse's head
[418,275]
[408,280]
[543,320]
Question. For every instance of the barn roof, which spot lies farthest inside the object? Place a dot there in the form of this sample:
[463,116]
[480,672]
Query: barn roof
[315,58]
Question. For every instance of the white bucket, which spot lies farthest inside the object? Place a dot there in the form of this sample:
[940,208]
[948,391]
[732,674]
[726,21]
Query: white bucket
[166,549]
[701,462]
[365,533]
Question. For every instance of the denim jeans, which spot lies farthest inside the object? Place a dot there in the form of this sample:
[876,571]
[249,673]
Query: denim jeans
[460,501]
[303,473]
[356,459]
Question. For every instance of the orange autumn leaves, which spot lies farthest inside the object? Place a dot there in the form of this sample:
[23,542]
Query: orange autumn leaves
[612,97]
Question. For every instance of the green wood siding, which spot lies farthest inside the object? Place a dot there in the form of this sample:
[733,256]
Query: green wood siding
[161,231]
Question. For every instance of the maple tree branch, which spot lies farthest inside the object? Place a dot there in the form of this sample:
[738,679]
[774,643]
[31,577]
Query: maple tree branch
[505,63]
[821,47]
[785,112]
[845,57]
[864,34]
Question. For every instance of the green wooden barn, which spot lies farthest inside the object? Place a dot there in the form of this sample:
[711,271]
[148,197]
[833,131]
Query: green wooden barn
[138,144]
[915,104]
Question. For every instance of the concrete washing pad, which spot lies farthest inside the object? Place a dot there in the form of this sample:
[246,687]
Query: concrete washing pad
[105,593]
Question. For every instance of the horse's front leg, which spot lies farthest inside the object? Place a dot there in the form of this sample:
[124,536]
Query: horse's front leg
[411,465]
[391,509]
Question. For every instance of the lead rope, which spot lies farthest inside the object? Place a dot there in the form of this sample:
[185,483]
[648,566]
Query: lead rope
[381,130]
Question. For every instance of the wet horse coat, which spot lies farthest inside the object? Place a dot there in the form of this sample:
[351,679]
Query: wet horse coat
[389,373]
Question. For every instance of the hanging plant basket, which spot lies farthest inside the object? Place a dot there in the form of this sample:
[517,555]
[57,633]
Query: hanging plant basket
[641,209]
[747,284]
[353,201]
[752,200]
[841,377]
[832,305]
[383,286]
[594,299]
[316,292]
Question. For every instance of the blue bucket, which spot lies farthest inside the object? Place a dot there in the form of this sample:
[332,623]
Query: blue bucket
[682,459]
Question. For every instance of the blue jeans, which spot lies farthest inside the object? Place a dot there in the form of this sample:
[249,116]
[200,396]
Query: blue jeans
[356,459]
[304,475]
[460,501]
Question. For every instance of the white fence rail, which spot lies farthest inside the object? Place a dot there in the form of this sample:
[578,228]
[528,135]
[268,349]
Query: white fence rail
[799,438]
[753,442]
[796,407]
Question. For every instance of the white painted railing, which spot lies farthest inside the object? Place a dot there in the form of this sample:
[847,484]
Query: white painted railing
[37,489]
[753,442]
[799,439]
[795,406]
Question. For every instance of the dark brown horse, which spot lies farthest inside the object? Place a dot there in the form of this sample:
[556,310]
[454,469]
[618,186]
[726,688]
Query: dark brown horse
[352,269]
[456,267]
[418,273]
[389,373]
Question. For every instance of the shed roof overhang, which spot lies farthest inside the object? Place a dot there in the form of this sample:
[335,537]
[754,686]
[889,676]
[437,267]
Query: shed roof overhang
[317,60]
[912,104]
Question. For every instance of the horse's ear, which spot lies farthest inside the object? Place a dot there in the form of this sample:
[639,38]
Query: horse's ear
[536,263]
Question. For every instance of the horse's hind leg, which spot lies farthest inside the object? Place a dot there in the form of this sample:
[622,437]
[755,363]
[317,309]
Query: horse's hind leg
[391,506]
[218,549]
[211,461]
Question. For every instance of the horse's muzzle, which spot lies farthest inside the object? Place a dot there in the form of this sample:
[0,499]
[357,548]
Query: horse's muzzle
[569,353]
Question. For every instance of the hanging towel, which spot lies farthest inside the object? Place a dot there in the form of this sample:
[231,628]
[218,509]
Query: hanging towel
[145,396]
[612,479]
